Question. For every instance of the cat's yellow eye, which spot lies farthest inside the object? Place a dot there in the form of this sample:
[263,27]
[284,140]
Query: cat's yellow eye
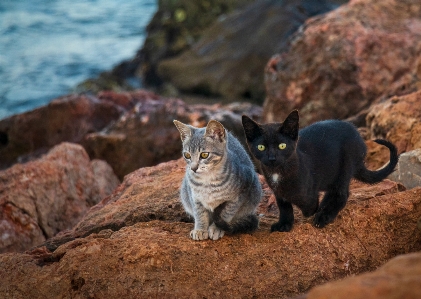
[282,146]
[261,147]
[204,155]
[187,155]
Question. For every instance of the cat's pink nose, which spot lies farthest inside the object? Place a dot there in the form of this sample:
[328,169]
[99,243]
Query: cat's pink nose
[194,167]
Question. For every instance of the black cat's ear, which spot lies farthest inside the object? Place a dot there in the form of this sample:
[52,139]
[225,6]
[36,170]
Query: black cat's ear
[185,130]
[215,130]
[291,125]
[251,128]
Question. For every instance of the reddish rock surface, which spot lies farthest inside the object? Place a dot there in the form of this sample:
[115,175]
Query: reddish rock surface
[129,130]
[398,278]
[343,61]
[68,118]
[397,119]
[40,198]
[135,244]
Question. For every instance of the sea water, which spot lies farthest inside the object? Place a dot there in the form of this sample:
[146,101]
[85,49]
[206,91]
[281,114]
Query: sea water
[47,47]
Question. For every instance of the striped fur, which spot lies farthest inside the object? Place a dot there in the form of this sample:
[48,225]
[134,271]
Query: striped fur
[220,189]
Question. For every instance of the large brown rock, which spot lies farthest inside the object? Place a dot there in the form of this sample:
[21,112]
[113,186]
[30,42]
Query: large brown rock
[229,59]
[398,278]
[397,119]
[43,197]
[68,118]
[135,244]
[341,62]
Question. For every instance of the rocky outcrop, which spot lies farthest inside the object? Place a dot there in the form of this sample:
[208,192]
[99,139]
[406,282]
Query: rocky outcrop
[129,130]
[340,63]
[229,59]
[70,118]
[175,26]
[397,119]
[135,244]
[40,198]
[398,278]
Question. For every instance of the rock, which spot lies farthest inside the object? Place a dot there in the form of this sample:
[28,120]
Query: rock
[129,130]
[398,119]
[146,135]
[398,278]
[70,118]
[105,178]
[408,171]
[340,63]
[229,59]
[43,197]
[174,28]
[135,244]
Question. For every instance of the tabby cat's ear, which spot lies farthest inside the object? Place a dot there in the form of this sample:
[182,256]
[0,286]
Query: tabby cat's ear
[215,130]
[251,128]
[185,130]
[291,125]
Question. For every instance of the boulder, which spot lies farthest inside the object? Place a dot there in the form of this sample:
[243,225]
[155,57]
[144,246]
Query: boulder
[69,118]
[340,63]
[229,58]
[398,278]
[174,28]
[43,197]
[398,119]
[135,244]
[408,171]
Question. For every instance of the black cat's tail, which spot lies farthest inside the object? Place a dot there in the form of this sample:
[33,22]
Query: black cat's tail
[372,177]
[246,224]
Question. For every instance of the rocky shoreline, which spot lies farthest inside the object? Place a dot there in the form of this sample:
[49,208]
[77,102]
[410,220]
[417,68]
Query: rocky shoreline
[89,184]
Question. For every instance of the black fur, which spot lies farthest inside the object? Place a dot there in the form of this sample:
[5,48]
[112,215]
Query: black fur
[324,156]
[247,224]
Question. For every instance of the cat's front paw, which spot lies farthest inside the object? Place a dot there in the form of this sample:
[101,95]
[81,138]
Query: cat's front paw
[281,227]
[199,234]
[215,232]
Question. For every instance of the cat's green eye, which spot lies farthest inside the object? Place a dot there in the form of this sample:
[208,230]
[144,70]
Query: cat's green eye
[261,147]
[204,155]
[282,146]
[187,155]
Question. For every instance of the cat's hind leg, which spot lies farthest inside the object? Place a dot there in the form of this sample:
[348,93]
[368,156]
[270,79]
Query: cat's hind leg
[333,202]
[337,194]
[228,217]
[286,216]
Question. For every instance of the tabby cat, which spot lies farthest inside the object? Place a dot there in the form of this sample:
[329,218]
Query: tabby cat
[324,156]
[220,189]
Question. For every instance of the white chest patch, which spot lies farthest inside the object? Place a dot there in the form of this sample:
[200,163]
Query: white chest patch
[275,177]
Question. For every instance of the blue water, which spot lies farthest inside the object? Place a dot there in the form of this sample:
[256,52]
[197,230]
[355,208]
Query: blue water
[47,47]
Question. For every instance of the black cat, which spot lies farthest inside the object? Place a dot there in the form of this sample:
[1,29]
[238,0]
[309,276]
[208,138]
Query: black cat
[324,156]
